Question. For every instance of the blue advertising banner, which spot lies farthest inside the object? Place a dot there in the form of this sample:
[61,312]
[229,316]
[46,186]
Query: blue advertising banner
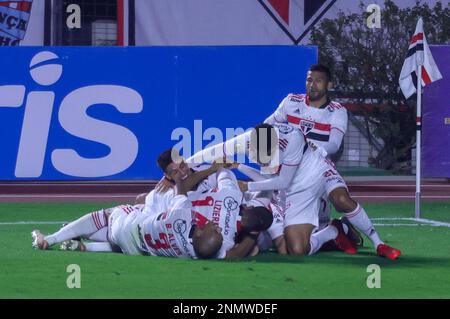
[105,113]
[436,119]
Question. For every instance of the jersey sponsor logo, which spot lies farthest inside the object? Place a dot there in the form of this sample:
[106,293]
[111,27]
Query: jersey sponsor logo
[230,203]
[295,99]
[180,226]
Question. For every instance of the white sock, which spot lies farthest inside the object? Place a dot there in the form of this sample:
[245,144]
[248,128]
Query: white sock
[360,220]
[319,238]
[98,247]
[85,226]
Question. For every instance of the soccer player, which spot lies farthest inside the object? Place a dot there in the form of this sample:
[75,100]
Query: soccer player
[126,229]
[322,121]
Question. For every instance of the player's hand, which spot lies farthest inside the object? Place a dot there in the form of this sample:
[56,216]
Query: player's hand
[222,163]
[243,186]
[163,185]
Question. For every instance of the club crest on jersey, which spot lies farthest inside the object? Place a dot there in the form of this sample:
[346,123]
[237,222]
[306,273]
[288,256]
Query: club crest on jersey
[230,203]
[306,126]
[285,129]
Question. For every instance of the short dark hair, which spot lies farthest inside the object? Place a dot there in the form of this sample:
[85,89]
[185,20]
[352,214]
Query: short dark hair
[321,68]
[165,159]
[259,218]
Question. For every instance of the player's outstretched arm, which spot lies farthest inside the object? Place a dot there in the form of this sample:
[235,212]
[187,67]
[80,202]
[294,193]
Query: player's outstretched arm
[191,181]
[229,148]
[252,173]
[279,182]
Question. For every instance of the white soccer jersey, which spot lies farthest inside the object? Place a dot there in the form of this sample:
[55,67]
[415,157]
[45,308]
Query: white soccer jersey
[169,233]
[222,207]
[315,123]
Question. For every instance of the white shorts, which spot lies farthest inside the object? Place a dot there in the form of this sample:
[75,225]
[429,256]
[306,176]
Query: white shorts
[303,207]
[120,227]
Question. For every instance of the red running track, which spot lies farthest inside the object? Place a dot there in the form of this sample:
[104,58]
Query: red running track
[380,191]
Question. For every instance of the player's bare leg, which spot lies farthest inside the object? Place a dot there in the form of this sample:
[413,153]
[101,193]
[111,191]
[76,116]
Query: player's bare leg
[280,245]
[357,216]
[297,238]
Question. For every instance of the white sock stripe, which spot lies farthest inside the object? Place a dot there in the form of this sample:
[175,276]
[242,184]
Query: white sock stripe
[354,213]
[105,218]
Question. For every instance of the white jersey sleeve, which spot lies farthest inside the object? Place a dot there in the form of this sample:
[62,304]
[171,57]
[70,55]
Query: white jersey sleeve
[156,202]
[292,149]
[226,180]
[339,119]
[280,115]
[179,202]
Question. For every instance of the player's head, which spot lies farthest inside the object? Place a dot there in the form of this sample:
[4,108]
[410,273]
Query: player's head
[174,167]
[263,143]
[255,218]
[207,240]
[318,82]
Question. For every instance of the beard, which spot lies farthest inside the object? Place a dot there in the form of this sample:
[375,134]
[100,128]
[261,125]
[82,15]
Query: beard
[316,95]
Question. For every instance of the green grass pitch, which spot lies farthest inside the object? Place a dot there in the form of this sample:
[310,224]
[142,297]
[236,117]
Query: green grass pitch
[423,271]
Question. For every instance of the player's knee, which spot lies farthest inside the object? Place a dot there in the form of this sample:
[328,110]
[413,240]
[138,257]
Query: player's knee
[298,249]
[280,245]
[343,203]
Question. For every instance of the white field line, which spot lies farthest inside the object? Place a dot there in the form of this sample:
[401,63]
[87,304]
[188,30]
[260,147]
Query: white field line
[30,222]
[430,222]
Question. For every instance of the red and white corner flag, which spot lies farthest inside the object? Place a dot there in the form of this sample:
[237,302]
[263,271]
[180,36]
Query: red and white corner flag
[418,54]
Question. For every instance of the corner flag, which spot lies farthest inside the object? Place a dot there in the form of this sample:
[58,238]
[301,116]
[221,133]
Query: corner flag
[418,54]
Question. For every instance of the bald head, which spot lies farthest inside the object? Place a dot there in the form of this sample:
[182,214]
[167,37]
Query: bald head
[207,241]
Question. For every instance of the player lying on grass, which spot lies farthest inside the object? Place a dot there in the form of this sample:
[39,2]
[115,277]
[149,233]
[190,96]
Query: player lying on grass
[170,233]
[306,175]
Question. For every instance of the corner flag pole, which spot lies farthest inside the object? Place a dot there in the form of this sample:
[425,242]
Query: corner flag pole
[418,137]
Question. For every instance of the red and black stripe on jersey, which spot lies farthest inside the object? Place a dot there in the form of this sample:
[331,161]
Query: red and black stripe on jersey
[321,130]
